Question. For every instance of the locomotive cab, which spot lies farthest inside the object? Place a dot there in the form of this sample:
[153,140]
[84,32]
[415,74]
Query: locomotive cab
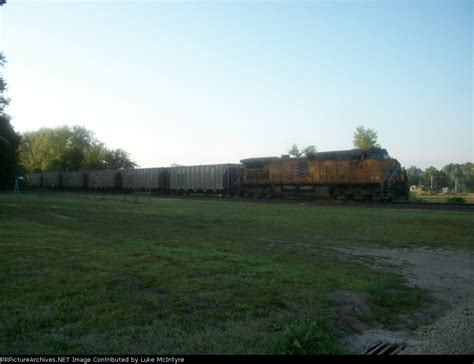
[393,181]
[378,154]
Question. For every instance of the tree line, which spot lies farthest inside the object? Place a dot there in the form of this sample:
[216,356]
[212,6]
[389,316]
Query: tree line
[65,148]
[457,177]
[68,148]
[9,139]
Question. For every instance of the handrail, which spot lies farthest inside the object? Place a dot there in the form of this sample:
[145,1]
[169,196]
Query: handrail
[393,174]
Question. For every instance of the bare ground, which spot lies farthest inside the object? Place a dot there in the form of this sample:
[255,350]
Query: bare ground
[446,326]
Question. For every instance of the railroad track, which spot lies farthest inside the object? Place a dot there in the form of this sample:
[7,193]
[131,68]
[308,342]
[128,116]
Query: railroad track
[443,206]
[435,205]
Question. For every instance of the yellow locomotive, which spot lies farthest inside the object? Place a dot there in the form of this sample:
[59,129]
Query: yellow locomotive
[367,173]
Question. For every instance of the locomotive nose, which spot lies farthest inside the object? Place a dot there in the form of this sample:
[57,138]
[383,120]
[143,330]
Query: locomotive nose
[392,168]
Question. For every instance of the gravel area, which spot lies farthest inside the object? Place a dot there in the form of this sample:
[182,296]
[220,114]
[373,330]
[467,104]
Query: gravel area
[447,326]
[452,334]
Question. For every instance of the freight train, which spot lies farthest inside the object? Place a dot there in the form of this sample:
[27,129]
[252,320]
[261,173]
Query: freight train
[367,173]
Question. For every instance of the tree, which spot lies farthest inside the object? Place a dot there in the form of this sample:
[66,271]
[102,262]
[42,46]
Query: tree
[69,149]
[365,138]
[9,139]
[294,151]
[309,150]
[435,180]
[414,176]
[118,159]
[457,177]
[460,176]
[9,143]
[469,167]
[4,101]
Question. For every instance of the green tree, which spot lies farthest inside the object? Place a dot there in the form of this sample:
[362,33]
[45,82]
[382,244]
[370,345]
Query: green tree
[9,139]
[309,150]
[4,101]
[9,143]
[460,176]
[469,176]
[118,159]
[435,180]
[94,157]
[365,138]
[294,151]
[69,149]
[414,176]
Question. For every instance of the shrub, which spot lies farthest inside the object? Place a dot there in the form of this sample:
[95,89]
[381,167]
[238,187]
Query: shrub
[456,199]
[415,198]
[308,338]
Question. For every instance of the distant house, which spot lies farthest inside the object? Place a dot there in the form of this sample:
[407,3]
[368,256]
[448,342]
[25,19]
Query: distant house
[415,188]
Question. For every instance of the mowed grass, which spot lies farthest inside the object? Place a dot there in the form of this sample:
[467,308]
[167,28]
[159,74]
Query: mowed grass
[104,276]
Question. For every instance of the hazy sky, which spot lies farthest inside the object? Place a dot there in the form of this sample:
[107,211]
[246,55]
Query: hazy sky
[216,82]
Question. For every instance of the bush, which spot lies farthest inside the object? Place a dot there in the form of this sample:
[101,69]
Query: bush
[456,199]
[308,338]
[414,197]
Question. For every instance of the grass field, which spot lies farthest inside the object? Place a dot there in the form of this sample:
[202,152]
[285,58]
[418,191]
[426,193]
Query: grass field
[91,275]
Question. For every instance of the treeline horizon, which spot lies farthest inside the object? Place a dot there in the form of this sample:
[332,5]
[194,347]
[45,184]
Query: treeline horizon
[74,148]
[457,177]
[68,148]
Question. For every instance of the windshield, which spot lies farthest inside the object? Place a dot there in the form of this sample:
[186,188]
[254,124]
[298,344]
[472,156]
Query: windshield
[379,155]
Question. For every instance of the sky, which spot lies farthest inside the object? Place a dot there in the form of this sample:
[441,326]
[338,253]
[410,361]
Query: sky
[209,82]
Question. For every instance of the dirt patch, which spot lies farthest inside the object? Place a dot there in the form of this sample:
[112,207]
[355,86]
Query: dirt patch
[350,307]
[448,274]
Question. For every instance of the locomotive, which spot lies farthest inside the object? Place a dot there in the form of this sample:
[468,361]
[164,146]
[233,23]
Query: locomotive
[367,173]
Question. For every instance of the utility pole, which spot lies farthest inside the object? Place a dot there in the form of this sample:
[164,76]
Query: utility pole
[16,190]
[431,187]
